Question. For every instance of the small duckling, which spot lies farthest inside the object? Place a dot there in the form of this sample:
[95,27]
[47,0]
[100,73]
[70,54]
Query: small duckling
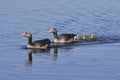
[85,37]
[93,36]
[89,37]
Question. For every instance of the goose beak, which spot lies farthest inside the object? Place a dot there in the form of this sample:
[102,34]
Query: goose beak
[23,34]
[49,31]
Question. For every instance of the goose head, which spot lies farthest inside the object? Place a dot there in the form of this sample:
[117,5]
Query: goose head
[26,34]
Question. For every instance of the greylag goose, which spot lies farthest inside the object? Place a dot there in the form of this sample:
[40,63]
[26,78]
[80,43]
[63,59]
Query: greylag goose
[41,44]
[63,38]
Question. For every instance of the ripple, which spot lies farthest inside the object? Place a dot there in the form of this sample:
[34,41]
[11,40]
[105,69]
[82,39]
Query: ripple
[82,60]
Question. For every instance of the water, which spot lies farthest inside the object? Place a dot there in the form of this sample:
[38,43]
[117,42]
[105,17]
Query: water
[94,60]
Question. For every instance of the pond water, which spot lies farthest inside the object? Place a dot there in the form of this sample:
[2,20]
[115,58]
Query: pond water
[94,60]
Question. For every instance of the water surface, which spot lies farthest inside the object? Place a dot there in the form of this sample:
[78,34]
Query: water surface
[90,60]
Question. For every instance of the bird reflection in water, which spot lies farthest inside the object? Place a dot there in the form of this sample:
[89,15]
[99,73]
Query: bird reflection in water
[41,51]
[53,51]
[55,54]
[35,51]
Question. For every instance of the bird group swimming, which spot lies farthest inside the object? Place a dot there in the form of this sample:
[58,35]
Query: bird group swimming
[61,39]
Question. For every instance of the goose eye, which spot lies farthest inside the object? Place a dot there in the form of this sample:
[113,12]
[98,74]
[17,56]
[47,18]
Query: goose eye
[26,33]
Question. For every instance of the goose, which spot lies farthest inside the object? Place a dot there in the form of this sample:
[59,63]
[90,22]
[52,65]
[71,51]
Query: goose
[63,38]
[41,44]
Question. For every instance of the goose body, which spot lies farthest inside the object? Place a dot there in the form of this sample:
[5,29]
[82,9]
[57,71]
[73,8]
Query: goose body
[41,44]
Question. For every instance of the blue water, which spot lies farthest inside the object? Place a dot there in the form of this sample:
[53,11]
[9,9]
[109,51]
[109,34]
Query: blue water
[94,60]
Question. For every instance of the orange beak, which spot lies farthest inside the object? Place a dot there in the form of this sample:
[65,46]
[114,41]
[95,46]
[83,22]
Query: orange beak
[23,34]
[50,31]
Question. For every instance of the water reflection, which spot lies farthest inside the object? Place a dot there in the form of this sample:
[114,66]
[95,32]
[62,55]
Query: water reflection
[29,56]
[35,51]
[31,51]
[53,52]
